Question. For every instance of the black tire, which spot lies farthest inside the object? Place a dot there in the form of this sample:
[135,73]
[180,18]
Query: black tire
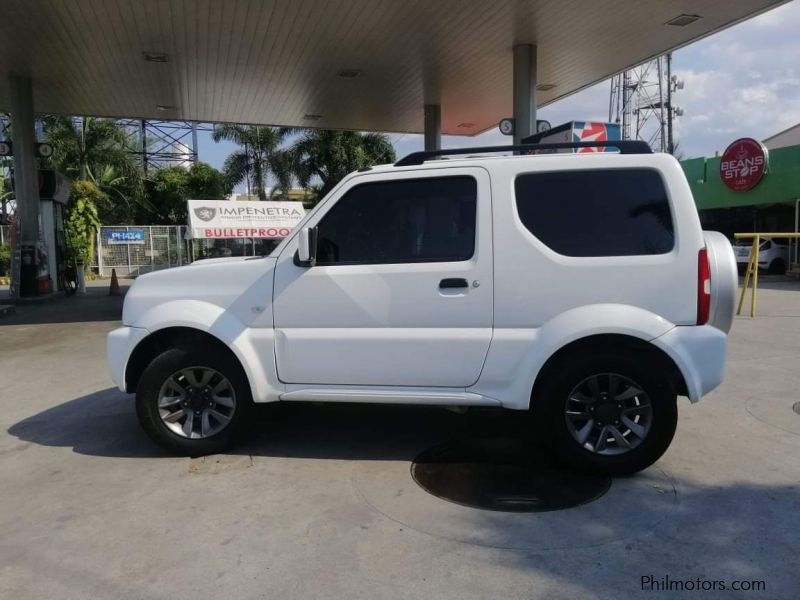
[777,267]
[551,398]
[162,368]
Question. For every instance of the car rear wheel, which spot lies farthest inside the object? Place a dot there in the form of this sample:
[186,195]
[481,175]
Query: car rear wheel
[193,401]
[609,413]
[777,267]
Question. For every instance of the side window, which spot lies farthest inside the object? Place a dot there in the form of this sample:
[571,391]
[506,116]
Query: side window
[413,220]
[613,212]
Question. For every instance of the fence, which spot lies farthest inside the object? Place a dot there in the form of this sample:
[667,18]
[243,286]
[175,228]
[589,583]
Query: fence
[133,250]
[136,249]
[4,234]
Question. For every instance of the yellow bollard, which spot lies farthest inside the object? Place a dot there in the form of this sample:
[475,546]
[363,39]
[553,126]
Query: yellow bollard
[748,272]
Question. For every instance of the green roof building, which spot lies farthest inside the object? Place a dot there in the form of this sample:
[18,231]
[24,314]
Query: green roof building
[769,206]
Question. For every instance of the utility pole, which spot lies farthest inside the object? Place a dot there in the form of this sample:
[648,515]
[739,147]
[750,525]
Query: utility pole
[143,144]
[627,107]
[670,142]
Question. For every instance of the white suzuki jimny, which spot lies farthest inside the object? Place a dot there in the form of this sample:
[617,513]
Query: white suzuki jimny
[578,287]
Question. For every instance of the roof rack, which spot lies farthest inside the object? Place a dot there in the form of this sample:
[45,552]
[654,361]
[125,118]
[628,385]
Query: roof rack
[624,147]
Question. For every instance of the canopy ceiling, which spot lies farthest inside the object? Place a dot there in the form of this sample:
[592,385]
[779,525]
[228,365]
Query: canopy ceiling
[351,64]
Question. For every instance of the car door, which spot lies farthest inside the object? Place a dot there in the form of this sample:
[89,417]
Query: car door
[401,293]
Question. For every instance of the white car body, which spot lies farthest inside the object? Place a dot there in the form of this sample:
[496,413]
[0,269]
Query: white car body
[387,333]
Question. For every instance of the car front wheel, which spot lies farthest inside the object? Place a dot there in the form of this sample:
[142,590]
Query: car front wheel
[193,401]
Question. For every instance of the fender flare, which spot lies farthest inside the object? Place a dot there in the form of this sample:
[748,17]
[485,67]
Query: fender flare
[517,355]
[221,324]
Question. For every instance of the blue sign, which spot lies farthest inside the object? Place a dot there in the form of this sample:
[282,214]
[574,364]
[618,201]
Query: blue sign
[131,236]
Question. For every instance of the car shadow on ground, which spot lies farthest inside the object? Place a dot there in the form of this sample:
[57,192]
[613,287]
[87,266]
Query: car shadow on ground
[695,532]
[96,305]
[104,424]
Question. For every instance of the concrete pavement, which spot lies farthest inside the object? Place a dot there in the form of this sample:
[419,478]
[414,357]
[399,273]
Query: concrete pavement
[320,503]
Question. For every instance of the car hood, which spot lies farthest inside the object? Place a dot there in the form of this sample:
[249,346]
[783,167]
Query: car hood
[218,281]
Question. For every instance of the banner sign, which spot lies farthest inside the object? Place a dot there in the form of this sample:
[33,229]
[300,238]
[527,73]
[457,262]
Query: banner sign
[217,219]
[122,236]
[743,164]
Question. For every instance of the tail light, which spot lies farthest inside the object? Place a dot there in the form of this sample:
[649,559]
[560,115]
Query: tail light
[703,287]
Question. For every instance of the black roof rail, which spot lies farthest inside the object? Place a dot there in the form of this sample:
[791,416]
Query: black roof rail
[624,147]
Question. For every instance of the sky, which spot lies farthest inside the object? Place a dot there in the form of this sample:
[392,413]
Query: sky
[743,81]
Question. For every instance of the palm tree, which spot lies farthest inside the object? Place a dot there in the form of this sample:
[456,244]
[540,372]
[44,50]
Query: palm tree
[98,151]
[87,145]
[327,156]
[260,156]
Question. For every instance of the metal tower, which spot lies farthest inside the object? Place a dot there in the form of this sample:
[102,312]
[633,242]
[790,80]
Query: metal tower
[164,143]
[641,102]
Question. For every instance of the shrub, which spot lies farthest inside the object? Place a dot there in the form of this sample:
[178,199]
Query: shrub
[5,259]
[82,221]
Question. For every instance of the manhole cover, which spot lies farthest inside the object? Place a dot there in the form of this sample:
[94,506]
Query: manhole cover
[796,407]
[503,474]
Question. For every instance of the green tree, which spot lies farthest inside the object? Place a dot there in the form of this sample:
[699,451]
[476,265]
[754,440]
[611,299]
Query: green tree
[168,189]
[260,157]
[206,183]
[5,259]
[82,220]
[88,144]
[96,150]
[326,156]
[6,194]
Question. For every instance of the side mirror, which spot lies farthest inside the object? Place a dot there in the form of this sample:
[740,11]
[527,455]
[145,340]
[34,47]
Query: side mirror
[307,246]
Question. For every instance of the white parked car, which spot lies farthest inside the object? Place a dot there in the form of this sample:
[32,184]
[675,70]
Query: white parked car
[772,256]
[578,288]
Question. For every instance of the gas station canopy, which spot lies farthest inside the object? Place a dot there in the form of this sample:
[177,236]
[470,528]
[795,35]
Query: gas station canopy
[350,64]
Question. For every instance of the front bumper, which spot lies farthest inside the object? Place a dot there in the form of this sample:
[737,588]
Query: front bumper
[700,353]
[119,345]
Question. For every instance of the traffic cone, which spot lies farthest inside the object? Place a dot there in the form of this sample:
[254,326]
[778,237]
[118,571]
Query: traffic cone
[113,289]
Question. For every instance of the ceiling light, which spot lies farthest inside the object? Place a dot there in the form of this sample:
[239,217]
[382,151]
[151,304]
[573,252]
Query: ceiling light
[683,20]
[349,73]
[312,117]
[163,107]
[545,87]
[466,125]
[159,57]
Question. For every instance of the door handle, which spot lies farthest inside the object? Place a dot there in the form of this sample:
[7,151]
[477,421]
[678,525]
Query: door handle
[455,282]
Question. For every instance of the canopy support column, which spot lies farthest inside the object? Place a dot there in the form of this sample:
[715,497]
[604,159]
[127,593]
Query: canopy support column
[26,179]
[524,91]
[433,127]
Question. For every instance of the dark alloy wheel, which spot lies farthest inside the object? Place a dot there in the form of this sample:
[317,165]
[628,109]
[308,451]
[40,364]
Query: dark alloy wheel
[192,401]
[196,402]
[609,412]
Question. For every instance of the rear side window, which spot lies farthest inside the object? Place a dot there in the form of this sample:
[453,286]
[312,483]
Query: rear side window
[614,212]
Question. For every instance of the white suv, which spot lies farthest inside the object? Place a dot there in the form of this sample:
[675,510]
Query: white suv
[577,287]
